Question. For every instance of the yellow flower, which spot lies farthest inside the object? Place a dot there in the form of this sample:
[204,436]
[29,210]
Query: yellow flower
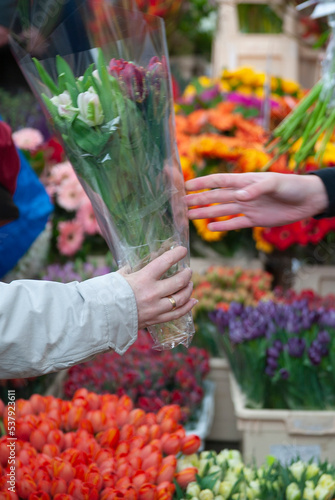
[259,79]
[205,81]
[259,92]
[176,108]
[186,166]
[252,160]
[190,91]
[246,75]
[205,233]
[245,89]
[290,86]
[329,155]
[261,243]
[224,86]
[297,145]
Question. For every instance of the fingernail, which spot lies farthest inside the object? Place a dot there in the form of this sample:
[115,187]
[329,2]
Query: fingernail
[195,301]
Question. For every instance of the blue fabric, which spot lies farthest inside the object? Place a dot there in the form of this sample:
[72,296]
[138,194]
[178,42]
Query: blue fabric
[35,207]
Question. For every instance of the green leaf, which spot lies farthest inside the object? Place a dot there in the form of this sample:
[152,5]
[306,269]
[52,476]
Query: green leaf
[179,494]
[45,77]
[208,481]
[88,139]
[71,82]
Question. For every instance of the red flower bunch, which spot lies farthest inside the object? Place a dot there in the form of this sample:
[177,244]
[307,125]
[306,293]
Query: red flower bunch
[151,378]
[308,231]
[93,447]
[314,300]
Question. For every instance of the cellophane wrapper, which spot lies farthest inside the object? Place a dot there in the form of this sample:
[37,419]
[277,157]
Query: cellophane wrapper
[101,74]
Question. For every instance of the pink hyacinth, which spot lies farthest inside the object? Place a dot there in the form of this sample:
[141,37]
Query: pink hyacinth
[71,237]
[70,195]
[86,217]
[28,139]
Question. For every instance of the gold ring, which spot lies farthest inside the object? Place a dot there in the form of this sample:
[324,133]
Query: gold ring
[173,302]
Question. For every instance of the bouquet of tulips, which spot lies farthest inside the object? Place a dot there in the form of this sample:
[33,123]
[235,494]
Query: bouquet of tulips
[107,94]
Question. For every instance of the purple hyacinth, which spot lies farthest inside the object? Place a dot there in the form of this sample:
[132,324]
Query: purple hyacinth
[323,337]
[296,347]
[284,374]
[315,353]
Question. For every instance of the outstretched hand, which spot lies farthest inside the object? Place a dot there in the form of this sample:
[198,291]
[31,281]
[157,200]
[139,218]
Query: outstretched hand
[152,293]
[263,199]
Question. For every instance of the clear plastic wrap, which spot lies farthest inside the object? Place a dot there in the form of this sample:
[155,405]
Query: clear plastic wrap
[102,76]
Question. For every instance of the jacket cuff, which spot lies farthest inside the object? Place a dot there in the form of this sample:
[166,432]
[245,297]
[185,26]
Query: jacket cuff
[113,293]
[327,175]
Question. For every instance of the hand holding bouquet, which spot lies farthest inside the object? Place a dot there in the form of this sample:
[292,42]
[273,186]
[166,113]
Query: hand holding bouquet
[108,97]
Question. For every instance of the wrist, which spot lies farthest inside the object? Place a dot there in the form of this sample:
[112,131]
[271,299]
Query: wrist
[316,194]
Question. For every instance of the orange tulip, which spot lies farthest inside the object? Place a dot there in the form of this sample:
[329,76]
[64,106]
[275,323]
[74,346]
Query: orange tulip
[25,486]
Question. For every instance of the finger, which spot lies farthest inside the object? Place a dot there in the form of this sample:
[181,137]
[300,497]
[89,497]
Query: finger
[257,189]
[177,313]
[161,264]
[231,224]
[172,285]
[180,298]
[236,181]
[215,211]
[207,197]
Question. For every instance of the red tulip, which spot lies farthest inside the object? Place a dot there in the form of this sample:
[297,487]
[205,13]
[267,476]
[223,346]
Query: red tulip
[39,495]
[25,486]
[51,450]
[38,403]
[186,476]
[109,437]
[147,492]
[37,439]
[172,445]
[190,444]
[138,479]
[126,432]
[58,485]
[56,436]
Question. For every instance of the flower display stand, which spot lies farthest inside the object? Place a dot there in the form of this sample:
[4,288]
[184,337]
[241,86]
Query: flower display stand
[279,54]
[202,426]
[284,434]
[56,388]
[224,422]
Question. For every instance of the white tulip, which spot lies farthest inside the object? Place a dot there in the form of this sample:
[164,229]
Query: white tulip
[64,104]
[90,110]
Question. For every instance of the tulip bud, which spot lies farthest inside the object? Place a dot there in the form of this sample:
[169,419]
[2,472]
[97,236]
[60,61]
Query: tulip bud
[190,444]
[64,104]
[186,476]
[193,489]
[293,492]
[130,77]
[206,495]
[90,110]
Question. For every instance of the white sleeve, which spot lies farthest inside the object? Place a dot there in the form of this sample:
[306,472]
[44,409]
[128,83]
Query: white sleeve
[47,326]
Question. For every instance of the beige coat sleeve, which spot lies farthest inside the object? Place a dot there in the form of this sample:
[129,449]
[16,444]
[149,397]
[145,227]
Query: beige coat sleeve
[47,326]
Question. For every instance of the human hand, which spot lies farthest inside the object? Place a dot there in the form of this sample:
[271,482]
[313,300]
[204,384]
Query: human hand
[152,293]
[264,199]
[4,32]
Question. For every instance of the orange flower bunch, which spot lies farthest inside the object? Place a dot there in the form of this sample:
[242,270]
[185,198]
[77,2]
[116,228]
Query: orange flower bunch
[92,447]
